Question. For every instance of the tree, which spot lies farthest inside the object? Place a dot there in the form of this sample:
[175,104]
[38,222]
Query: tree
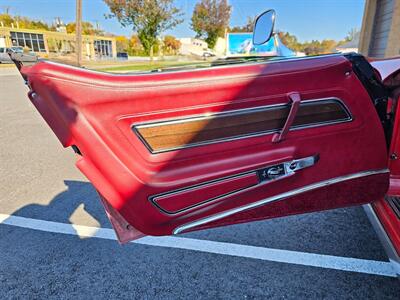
[316,47]
[290,41]
[352,34]
[328,46]
[87,28]
[248,27]
[122,43]
[6,19]
[149,18]
[210,19]
[54,45]
[171,44]
[135,46]
[22,22]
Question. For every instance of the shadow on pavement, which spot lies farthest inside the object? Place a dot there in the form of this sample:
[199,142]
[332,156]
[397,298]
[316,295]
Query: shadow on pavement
[78,201]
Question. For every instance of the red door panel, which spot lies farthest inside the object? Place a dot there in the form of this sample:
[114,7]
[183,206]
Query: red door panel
[163,148]
[192,197]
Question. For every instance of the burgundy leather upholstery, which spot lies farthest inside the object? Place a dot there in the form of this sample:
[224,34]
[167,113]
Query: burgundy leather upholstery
[95,111]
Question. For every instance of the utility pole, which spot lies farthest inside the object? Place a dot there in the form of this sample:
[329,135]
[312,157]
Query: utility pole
[78,32]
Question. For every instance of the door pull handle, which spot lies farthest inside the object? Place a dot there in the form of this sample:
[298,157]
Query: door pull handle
[295,100]
[287,168]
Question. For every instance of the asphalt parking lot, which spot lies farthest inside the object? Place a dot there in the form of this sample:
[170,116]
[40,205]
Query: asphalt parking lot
[55,240]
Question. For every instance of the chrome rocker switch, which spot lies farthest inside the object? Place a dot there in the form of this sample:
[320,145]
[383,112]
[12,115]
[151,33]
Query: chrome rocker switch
[286,169]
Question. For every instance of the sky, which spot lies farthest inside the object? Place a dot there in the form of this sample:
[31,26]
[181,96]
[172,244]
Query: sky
[307,19]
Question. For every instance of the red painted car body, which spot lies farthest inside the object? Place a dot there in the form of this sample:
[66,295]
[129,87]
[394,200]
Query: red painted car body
[219,181]
[387,213]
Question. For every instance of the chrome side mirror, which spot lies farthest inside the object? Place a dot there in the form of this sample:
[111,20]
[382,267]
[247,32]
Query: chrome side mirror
[264,27]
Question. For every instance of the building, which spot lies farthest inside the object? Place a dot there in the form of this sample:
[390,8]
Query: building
[192,46]
[380,32]
[49,43]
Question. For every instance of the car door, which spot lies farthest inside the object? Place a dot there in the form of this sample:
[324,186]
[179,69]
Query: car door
[173,152]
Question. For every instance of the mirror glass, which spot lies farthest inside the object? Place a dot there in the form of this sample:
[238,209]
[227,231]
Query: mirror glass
[264,27]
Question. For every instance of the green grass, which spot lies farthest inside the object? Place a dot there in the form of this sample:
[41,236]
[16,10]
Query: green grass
[147,66]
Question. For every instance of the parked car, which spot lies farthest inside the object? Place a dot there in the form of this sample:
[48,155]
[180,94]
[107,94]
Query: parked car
[4,57]
[19,54]
[208,53]
[175,152]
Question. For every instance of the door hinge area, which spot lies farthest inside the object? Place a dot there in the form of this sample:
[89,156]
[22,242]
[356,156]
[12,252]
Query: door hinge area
[378,93]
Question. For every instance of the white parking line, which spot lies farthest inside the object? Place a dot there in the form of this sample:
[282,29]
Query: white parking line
[275,255]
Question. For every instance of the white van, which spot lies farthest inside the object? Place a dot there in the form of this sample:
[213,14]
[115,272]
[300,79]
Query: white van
[20,55]
[4,57]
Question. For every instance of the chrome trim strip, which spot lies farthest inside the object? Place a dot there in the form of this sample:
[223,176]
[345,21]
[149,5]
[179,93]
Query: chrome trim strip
[194,118]
[301,164]
[391,252]
[153,199]
[277,198]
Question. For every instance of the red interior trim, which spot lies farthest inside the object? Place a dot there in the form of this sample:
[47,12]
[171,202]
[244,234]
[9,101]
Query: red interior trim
[178,201]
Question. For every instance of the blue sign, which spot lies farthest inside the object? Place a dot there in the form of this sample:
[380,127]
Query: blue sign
[242,44]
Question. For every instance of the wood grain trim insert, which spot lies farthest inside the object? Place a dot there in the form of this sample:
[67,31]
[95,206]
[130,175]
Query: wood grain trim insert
[199,130]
